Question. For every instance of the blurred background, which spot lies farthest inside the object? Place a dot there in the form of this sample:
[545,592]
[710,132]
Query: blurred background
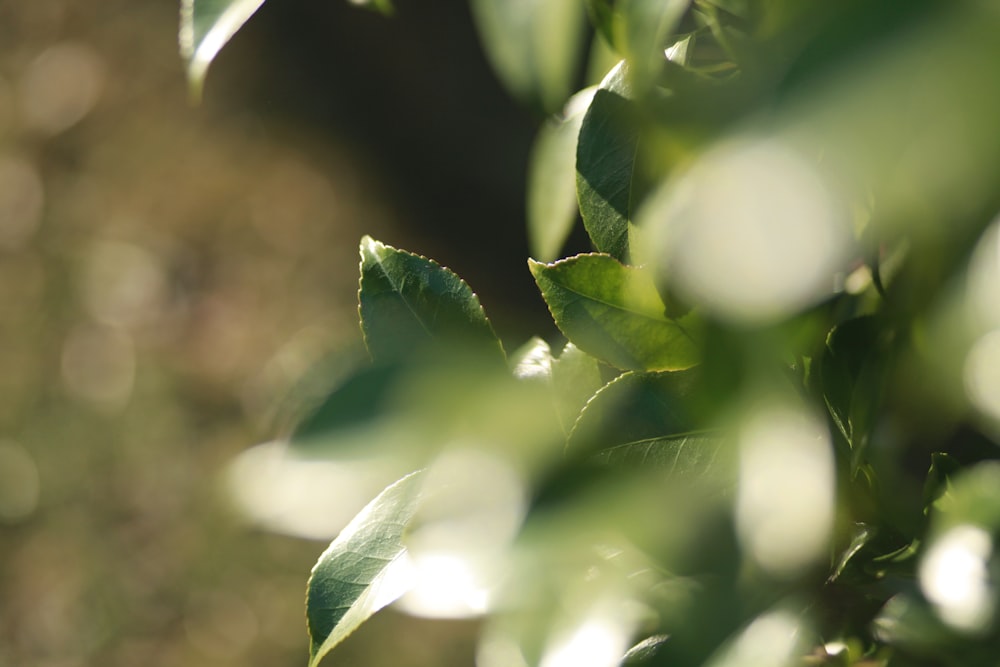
[169,272]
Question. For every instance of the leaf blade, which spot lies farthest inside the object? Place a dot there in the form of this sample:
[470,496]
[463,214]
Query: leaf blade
[614,312]
[206,27]
[359,573]
[606,162]
[407,302]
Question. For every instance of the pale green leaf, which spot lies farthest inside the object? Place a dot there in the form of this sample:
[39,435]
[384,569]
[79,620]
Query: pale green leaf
[408,302]
[206,26]
[614,312]
[576,376]
[643,29]
[533,45]
[363,570]
[552,206]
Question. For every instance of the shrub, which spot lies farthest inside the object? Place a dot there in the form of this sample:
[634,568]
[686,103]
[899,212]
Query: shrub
[768,436]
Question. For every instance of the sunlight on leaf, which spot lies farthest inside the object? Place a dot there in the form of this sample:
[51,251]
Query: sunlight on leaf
[364,569]
[606,164]
[409,302]
[206,26]
[615,313]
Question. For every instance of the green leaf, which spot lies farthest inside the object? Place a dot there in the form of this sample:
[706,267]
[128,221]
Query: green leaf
[533,45]
[606,165]
[206,26]
[576,377]
[552,207]
[409,302]
[383,6]
[644,29]
[643,420]
[362,570]
[614,312]
[853,376]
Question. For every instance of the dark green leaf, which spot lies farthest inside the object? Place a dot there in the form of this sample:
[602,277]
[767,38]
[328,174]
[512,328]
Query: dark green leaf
[614,312]
[362,570]
[853,374]
[606,165]
[643,420]
[206,26]
[358,400]
[552,205]
[408,302]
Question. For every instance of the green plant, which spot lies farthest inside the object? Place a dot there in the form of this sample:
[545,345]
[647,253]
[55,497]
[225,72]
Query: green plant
[769,437]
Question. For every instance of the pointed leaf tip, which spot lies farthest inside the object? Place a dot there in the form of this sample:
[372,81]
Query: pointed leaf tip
[363,570]
[205,27]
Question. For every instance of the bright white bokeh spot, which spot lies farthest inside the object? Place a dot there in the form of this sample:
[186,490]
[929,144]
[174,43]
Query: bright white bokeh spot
[295,496]
[785,502]
[472,509]
[982,374]
[448,585]
[599,641]
[751,232]
[955,578]
[772,640]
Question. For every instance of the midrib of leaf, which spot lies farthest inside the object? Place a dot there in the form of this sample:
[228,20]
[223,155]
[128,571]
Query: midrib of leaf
[655,318]
[398,289]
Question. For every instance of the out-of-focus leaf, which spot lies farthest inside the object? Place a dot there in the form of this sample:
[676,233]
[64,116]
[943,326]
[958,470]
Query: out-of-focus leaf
[206,26]
[533,360]
[853,374]
[606,164]
[614,312]
[534,46]
[576,377]
[408,301]
[363,570]
[359,399]
[643,420]
[602,16]
[644,28]
[943,468]
[383,6]
[552,205]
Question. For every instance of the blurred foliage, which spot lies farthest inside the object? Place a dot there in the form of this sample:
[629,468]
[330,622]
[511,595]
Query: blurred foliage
[768,439]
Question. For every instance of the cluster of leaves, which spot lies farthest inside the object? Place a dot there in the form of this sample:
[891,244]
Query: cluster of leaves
[767,437]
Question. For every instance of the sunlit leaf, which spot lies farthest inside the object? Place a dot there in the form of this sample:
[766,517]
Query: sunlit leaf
[576,376]
[408,301]
[552,204]
[614,312]
[644,28]
[533,45]
[206,26]
[606,165]
[363,570]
